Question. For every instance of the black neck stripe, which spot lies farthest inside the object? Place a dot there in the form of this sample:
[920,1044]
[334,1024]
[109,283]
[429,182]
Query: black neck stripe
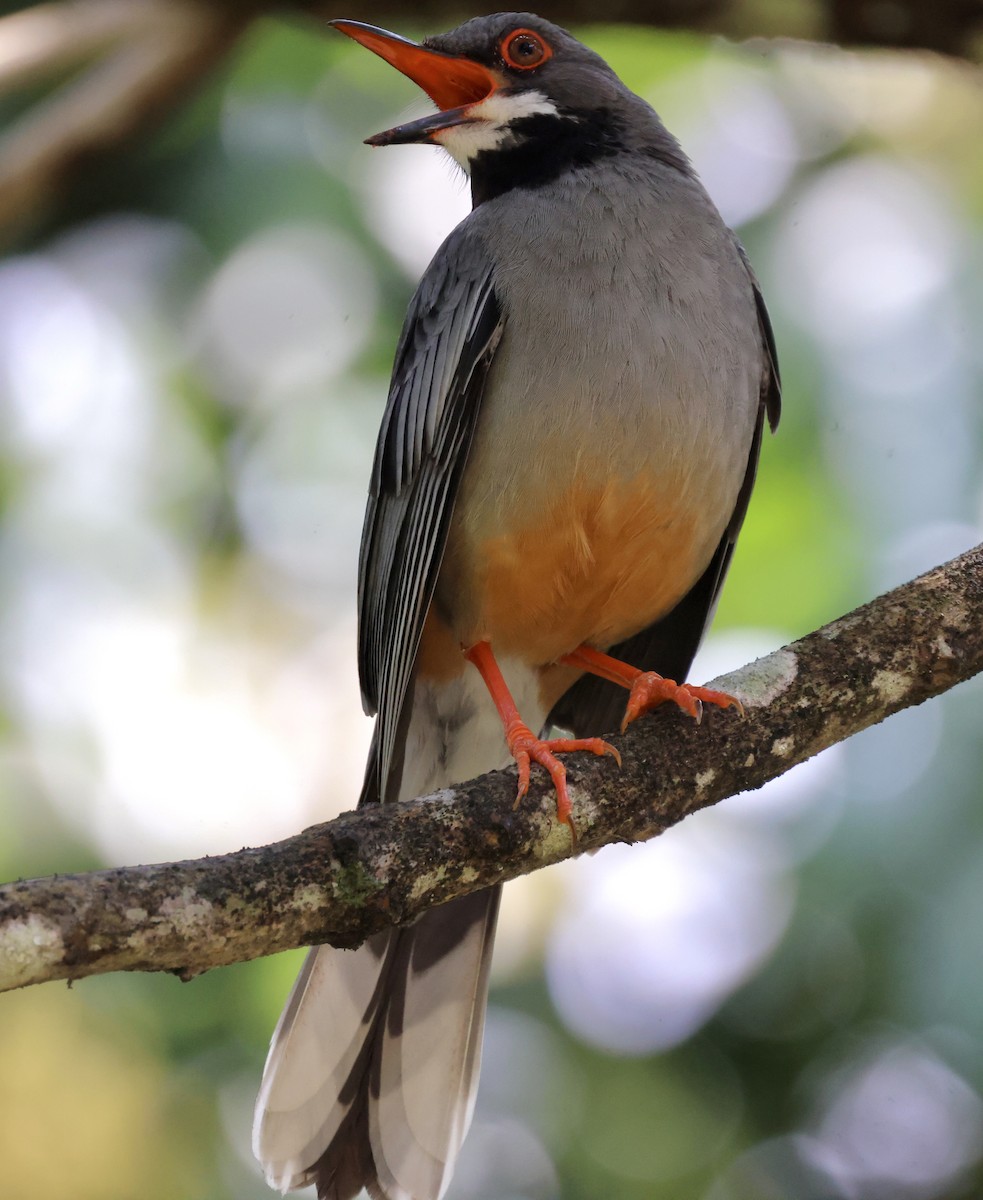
[545,148]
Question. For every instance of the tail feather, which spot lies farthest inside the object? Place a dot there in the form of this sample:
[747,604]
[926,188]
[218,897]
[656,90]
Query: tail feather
[319,1044]
[372,1071]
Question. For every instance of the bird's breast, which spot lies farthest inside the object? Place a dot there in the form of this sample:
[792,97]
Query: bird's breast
[592,557]
[604,558]
[615,426]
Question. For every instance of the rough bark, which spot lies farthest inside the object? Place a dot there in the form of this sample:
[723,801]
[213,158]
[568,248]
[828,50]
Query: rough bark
[343,880]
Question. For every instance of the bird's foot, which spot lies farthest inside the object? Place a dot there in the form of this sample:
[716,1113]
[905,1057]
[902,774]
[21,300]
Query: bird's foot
[524,746]
[649,689]
[526,749]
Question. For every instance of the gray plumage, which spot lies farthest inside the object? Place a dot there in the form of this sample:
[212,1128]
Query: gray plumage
[591,324]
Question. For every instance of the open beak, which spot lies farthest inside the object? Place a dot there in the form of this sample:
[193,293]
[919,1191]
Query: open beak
[453,84]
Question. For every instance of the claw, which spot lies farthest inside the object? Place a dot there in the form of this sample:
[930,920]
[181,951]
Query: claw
[523,744]
[526,748]
[717,699]
[650,690]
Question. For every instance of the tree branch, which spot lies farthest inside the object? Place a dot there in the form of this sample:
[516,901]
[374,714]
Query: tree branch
[343,880]
[151,61]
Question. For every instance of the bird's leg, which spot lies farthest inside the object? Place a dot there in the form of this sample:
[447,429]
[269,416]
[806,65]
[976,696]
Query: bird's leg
[524,746]
[647,688]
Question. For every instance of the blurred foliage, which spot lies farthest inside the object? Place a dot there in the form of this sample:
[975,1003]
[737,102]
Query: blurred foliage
[780,1000]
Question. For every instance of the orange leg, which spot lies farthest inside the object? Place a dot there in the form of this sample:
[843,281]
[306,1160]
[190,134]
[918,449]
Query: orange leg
[523,744]
[647,688]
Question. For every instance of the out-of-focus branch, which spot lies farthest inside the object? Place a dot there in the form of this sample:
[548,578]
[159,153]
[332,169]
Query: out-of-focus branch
[37,43]
[341,881]
[155,52]
[153,57]
[947,26]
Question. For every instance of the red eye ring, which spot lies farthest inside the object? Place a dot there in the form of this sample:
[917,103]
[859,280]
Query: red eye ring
[524,50]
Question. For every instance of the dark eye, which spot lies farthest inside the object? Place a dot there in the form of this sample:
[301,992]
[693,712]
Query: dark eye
[524,49]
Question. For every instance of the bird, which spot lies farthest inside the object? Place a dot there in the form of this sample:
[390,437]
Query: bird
[565,460]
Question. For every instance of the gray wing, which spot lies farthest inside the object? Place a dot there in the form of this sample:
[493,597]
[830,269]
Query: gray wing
[593,706]
[452,328]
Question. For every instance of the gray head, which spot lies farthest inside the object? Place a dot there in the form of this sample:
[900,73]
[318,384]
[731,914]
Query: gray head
[521,100]
[528,52]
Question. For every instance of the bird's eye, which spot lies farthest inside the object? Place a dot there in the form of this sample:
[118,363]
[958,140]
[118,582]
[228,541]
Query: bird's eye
[524,50]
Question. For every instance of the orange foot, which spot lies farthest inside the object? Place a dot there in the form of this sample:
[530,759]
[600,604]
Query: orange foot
[526,748]
[650,689]
[647,689]
[523,744]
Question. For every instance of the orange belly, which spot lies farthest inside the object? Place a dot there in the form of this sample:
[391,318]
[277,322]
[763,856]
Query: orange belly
[601,562]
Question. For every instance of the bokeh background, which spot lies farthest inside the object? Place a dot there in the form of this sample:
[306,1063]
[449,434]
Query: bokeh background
[781,999]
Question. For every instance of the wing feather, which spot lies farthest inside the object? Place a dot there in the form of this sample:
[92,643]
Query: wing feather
[452,328]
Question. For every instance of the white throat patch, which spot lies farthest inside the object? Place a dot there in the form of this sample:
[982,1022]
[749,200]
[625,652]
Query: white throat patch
[489,125]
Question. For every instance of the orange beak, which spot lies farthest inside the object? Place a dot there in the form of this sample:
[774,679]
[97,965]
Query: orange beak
[449,82]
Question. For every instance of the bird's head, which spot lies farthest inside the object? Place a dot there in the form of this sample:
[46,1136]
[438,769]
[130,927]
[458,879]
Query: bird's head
[520,99]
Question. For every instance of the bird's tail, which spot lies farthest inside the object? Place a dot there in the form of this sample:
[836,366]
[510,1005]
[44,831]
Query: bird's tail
[372,1072]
